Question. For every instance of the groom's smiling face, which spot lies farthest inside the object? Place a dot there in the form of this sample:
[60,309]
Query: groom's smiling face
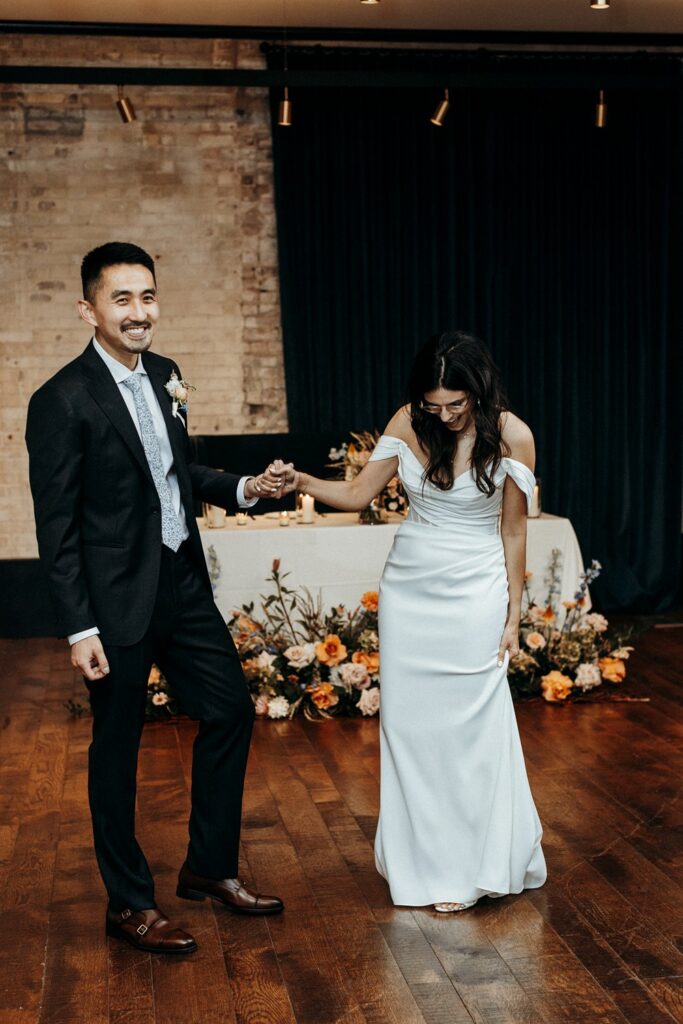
[124,311]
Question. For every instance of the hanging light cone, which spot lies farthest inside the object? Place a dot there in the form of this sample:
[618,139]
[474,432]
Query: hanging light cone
[125,108]
[285,118]
[371,3]
[601,110]
[439,115]
[599,5]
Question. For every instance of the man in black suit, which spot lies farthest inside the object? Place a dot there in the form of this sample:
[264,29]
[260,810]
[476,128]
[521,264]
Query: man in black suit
[113,482]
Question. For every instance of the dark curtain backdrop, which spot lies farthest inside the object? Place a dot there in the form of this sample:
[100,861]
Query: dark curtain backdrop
[557,243]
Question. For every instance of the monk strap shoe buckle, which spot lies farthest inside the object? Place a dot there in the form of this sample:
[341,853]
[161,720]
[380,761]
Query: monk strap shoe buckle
[142,929]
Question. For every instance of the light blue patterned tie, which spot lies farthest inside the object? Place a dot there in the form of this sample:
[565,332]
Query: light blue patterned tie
[171,530]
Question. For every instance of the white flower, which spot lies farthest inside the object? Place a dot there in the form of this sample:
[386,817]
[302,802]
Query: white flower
[264,662]
[160,699]
[369,701]
[596,621]
[587,676]
[622,652]
[353,674]
[278,707]
[300,655]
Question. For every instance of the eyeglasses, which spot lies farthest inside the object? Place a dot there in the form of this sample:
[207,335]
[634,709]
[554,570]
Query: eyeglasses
[450,406]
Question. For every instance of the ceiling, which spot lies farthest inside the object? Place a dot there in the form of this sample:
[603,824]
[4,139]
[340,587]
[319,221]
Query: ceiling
[629,16]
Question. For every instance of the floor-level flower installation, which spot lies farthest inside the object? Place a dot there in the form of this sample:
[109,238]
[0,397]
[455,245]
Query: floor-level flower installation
[299,659]
[565,651]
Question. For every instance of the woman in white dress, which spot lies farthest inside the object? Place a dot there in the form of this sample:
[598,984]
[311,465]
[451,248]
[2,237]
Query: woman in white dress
[457,819]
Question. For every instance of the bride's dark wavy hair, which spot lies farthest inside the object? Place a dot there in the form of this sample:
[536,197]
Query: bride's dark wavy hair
[458,362]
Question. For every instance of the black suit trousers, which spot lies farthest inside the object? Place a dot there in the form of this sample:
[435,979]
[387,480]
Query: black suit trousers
[189,641]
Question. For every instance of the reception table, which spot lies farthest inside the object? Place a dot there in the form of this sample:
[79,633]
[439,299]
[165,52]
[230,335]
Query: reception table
[339,559]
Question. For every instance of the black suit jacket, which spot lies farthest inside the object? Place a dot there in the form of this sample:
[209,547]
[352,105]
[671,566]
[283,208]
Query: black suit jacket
[98,515]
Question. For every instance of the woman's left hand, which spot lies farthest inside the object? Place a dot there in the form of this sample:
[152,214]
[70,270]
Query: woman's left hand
[509,642]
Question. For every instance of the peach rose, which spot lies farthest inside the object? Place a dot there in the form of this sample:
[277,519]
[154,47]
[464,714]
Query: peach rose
[368,658]
[323,695]
[331,651]
[535,641]
[261,704]
[354,674]
[369,701]
[612,669]
[370,600]
[556,686]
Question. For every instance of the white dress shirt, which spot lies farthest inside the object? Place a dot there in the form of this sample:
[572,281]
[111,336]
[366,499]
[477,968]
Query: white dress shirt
[120,373]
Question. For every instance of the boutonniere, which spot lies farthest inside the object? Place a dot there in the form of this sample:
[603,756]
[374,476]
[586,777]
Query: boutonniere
[179,390]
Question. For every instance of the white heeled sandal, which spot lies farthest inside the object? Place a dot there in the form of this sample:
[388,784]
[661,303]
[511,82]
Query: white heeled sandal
[453,908]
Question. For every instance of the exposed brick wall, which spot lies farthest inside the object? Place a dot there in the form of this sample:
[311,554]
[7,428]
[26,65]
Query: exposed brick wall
[191,181]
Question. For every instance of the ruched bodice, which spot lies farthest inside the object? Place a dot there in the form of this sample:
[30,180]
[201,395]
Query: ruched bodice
[464,505]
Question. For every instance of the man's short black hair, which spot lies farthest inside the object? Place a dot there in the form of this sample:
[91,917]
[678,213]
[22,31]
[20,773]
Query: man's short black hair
[108,255]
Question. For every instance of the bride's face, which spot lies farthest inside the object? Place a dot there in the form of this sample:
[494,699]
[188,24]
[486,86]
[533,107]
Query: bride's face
[454,408]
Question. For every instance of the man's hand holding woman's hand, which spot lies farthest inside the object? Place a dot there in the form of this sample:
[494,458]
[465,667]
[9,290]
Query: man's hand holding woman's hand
[278,479]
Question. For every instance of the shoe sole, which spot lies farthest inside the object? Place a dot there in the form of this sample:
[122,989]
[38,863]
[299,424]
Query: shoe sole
[198,896]
[114,933]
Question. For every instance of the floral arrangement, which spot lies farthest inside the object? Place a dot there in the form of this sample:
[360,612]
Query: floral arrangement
[298,659]
[350,459]
[565,655]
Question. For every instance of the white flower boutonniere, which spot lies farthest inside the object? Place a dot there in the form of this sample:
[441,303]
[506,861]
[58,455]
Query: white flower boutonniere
[179,390]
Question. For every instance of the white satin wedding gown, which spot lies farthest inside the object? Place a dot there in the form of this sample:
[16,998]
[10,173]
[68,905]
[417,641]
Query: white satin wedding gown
[457,819]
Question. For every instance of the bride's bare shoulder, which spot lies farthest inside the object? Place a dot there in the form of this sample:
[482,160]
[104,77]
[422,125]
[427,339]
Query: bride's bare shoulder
[518,437]
[399,426]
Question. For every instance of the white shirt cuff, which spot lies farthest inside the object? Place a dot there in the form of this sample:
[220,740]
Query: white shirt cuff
[75,637]
[241,500]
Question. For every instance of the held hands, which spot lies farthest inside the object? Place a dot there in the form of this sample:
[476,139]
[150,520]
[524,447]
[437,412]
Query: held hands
[278,479]
[509,642]
[89,658]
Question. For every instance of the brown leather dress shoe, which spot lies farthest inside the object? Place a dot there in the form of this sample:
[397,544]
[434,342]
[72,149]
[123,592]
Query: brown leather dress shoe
[228,891]
[149,930]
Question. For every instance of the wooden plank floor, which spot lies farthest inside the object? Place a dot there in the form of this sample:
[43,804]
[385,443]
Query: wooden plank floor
[602,942]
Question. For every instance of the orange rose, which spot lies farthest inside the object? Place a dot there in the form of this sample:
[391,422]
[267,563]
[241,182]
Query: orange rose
[556,686]
[331,651]
[369,659]
[323,695]
[154,676]
[612,669]
[548,615]
[370,600]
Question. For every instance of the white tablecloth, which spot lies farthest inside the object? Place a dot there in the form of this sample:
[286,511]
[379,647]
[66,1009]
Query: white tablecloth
[339,559]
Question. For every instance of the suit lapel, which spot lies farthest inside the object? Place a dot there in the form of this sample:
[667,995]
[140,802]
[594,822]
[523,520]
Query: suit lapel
[105,392]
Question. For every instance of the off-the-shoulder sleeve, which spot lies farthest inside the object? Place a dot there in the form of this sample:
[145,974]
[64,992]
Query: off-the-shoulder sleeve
[523,477]
[387,447]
